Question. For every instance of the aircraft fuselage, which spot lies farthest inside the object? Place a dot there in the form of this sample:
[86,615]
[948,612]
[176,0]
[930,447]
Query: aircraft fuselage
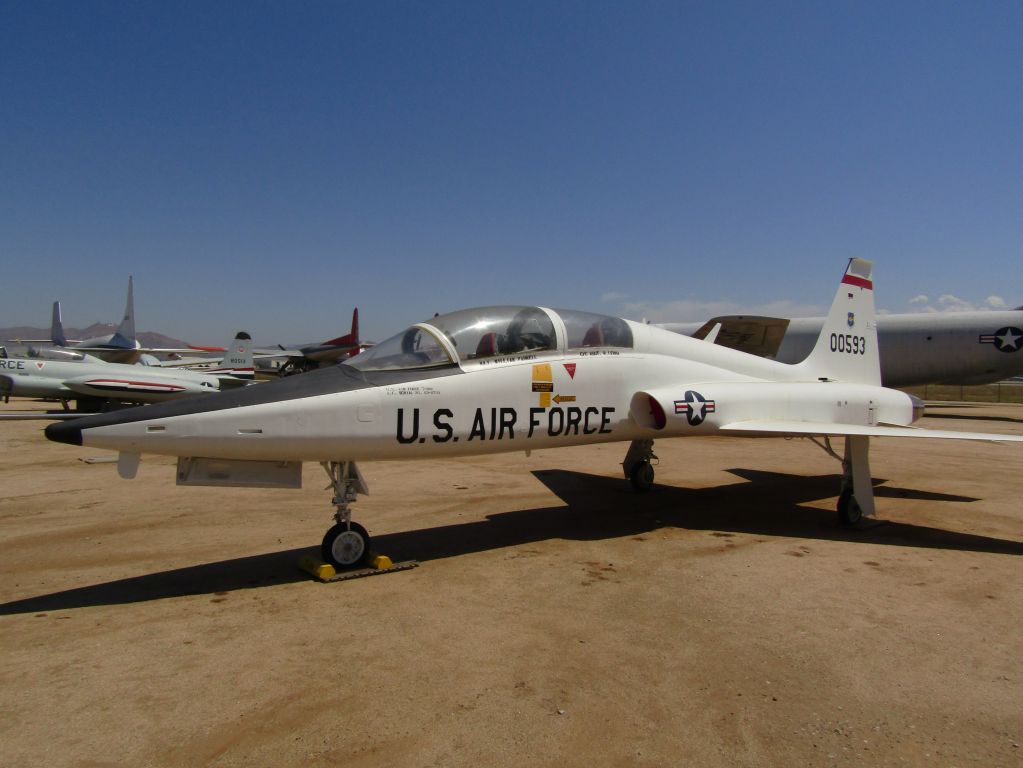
[519,402]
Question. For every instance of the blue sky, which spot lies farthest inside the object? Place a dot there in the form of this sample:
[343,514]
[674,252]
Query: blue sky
[269,165]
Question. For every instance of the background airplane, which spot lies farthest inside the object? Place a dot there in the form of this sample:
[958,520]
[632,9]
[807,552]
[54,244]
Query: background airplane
[122,346]
[95,385]
[517,378]
[237,361]
[915,349]
[312,356]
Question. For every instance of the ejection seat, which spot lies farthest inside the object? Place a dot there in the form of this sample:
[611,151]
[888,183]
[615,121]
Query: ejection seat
[487,346]
[594,336]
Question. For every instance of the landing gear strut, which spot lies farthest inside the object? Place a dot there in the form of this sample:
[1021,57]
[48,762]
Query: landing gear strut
[346,544]
[637,465]
[856,497]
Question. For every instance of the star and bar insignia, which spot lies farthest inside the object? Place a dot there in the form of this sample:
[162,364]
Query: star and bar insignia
[695,406]
[1006,339]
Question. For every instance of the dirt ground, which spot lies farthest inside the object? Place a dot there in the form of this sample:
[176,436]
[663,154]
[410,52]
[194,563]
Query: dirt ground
[557,618]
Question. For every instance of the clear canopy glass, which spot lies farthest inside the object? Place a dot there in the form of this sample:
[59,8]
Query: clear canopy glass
[491,331]
[586,329]
[484,332]
[412,348]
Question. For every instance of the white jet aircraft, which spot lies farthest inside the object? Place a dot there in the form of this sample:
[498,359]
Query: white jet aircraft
[518,378]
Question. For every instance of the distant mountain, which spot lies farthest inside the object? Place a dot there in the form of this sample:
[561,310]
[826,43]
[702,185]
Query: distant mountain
[146,338]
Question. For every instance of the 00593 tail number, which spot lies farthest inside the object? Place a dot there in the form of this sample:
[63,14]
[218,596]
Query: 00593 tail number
[848,343]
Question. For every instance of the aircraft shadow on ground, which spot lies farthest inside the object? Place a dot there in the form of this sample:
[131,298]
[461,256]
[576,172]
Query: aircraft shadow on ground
[594,508]
[208,578]
[598,507]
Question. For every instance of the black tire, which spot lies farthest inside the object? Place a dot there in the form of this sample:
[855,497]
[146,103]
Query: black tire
[849,512]
[345,547]
[642,476]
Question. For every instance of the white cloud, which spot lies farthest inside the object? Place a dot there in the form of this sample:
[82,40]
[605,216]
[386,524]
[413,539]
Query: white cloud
[692,310]
[950,303]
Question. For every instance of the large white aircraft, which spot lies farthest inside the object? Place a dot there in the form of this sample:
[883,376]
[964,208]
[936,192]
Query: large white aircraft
[915,349]
[518,378]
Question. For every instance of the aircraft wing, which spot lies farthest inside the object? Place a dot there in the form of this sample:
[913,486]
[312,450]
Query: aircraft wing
[754,335]
[768,427]
[31,341]
[278,352]
[148,350]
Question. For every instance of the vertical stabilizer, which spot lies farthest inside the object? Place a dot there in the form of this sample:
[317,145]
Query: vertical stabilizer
[238,359]
[351,338]
[125,335]
[57,337]
[846,350]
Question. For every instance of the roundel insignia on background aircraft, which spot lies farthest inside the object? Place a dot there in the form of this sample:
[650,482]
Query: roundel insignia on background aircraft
[1008,339]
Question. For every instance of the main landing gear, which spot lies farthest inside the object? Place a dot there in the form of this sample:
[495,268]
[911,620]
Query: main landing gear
[856,497]
[346,544]
[637,465]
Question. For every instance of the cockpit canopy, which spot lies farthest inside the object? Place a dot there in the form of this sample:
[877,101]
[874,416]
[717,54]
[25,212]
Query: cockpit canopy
[60,354]
[492,332]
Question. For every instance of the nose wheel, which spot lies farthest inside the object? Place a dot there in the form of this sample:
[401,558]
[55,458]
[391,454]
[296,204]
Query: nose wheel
[346,544]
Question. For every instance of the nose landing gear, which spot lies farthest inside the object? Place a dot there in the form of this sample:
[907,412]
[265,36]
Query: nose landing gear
[346,544]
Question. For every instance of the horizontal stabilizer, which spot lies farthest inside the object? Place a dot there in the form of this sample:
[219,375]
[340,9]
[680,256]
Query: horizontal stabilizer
[754,335]
[769,427]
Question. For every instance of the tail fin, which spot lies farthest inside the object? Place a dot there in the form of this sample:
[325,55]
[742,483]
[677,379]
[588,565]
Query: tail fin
[238,362]
[125,335]
[348,339]
[846,350]
[57,337]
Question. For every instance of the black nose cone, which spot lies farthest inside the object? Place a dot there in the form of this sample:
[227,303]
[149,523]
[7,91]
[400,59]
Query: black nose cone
[65,432]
